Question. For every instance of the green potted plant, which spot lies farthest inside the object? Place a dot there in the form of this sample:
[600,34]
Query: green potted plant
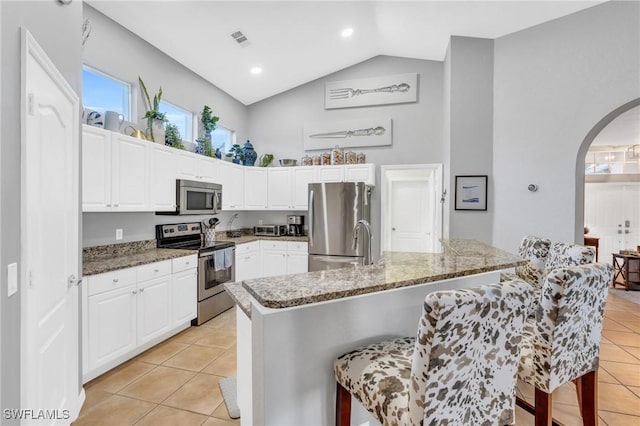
[155,118]
[208,121]
[172,136]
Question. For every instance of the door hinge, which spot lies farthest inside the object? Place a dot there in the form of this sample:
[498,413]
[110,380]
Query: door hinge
[443,196]
[30,104]
[73,281]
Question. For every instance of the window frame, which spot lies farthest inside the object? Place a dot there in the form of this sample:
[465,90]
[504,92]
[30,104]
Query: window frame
[233,137]
[194,122]
[131,103]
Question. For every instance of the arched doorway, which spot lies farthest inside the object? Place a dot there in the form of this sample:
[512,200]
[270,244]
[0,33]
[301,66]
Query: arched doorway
[616,169]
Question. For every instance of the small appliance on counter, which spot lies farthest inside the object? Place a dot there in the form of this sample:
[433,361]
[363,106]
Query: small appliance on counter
[270,230]
[295,225]
[215,266]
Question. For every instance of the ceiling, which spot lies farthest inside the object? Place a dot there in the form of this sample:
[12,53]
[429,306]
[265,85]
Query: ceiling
[295,42]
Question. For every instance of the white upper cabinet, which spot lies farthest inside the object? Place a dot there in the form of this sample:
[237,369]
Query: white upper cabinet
[96,169]
[302,177]
[163,163]
[186,165]
[329,174]
[279,188]
[207,168]
[360,173]
[232,180]
[115,171]
[255,188]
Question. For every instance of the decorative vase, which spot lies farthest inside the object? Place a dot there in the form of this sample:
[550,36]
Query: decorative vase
[156,133]
[199,146]
[250,155]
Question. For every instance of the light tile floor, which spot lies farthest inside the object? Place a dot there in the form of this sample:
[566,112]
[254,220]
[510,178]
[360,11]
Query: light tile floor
[176,382]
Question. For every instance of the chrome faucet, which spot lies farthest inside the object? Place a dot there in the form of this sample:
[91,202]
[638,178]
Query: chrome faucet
[367,226]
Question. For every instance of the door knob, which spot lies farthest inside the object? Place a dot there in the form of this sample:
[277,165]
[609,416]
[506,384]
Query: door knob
[393,229]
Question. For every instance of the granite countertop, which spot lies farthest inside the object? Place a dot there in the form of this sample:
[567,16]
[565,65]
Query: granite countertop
[101,259]
[395,269]
[240,296]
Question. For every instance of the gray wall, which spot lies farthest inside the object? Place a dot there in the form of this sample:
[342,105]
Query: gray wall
[57,30]
[470,130]
[276,123]
[552,84]
[118,52]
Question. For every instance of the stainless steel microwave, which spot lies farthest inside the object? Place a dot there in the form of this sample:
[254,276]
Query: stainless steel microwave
[195,197]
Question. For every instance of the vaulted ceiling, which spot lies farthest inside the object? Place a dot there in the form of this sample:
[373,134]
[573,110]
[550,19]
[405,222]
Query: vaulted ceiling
[294,42]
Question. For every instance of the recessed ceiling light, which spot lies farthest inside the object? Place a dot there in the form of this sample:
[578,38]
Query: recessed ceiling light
[347,32]
[256,70]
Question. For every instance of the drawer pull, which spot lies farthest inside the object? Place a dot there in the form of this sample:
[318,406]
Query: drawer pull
[115,280]
[141,290]
[156,270]
[187,263]
[134,292]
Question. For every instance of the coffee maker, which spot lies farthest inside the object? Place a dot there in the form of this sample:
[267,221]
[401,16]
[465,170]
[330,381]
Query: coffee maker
[295,225]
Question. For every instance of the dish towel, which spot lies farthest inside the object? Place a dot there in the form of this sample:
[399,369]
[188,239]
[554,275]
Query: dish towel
[219,260]
[228,258]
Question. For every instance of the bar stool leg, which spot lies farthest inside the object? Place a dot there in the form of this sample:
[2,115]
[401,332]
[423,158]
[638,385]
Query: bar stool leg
[589,392]
[343,406]
[543,408]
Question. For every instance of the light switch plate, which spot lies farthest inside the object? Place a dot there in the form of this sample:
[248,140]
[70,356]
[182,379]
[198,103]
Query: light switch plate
[12,279]
[119,234]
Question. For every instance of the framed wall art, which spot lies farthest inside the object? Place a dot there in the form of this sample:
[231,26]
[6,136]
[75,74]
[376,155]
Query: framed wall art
[391,89]
[471,192]
[347,134]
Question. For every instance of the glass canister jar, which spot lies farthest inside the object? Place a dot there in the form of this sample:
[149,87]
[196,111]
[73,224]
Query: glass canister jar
[350,157]
[337,156]
[307,161]
[317,160]
[326,158]
[361,158]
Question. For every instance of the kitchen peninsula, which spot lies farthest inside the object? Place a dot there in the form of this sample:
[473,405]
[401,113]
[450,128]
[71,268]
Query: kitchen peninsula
[291,328]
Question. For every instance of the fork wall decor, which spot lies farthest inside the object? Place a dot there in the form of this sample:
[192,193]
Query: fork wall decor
[392,89]
[347,134]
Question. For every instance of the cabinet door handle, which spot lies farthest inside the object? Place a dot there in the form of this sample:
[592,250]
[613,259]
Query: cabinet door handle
[156,270]
[141,290]
[116,205]
[187,263]
[115,280]
[134,292]
[108,205]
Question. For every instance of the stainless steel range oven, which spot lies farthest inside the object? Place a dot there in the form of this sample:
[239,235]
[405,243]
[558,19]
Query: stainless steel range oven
[215,266]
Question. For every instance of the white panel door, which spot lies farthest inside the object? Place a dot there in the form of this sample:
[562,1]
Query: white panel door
[280,188]
[410,216]
[232,180]
[163,164]
[153,308]
[207,169]
[274,262]
[96,169]
[50,252]
[360,173]
[184,297]
[112,325]
[329,174]
[302,177]
[130,173]
[297,263]
[186,167]
[255,188]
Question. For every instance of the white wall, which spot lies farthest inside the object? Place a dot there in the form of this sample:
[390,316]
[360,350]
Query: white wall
[552,84]
[57,29]
[276,123]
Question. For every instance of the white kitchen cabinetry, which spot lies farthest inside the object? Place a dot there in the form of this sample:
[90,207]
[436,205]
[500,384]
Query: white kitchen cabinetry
[184,290]
[274,258]
[302,177]
[346,173]
[329,174]
[297,257]
[255,188]
[288,187]
[360,173]
[232,180]
[248,261]
[153,304]
[193,166]
[283,257]
[115,171]
[129,310]
[163,163]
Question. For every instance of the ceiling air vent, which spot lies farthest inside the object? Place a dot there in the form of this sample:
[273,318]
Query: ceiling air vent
[240,38]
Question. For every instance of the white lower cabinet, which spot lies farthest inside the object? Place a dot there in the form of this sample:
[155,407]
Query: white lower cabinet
[283,257]
[153,304]
[131,309]
[297,257]
[248,264]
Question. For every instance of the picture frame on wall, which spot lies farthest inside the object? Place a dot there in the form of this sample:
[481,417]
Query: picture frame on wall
[383,90]
[471,192]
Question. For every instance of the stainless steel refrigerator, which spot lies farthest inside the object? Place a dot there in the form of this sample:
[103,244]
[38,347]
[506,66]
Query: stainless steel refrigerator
[339,230]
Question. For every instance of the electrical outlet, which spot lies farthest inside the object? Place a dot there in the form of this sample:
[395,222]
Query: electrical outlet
[12,279]
[119,234]
[260,222]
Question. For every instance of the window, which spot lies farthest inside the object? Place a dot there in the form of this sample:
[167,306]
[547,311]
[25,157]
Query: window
[223,138]
[101,92]
[181,118]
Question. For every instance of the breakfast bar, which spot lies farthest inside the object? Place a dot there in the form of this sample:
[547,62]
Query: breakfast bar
[291,328]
